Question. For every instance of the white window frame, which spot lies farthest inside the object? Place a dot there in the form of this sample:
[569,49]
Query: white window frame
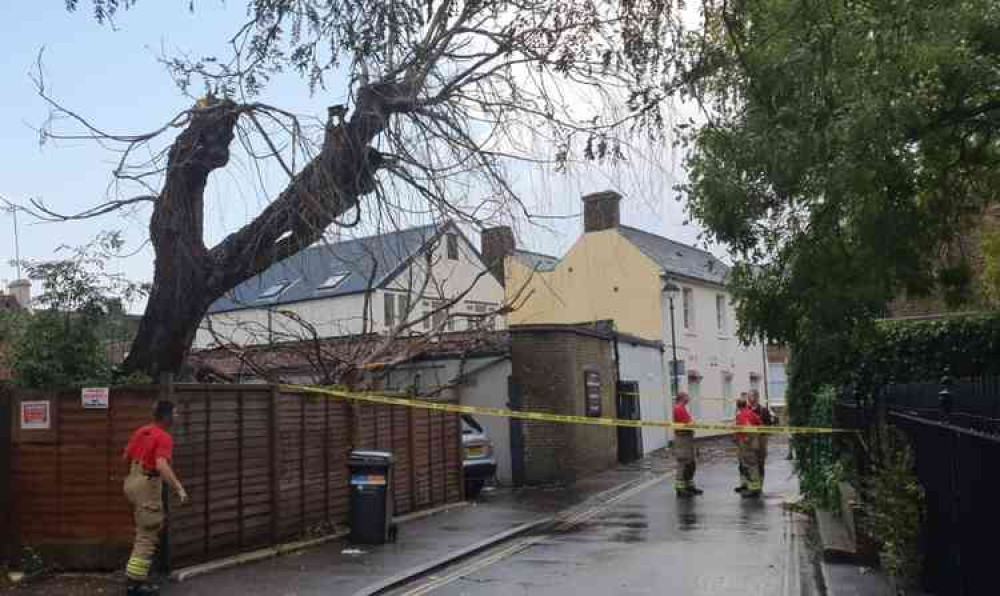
[721,314]
[687,308]
[451,246]
[274,291]
[333,281]
[389,309]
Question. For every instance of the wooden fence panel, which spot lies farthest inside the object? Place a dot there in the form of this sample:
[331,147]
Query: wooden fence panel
[7,546]
[261,467]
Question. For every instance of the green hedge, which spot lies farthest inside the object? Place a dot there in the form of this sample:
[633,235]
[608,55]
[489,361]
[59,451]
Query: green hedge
[868,358]
[896,351]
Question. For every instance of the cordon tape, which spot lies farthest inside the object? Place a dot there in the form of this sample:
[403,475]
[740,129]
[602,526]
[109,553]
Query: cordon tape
[372,398]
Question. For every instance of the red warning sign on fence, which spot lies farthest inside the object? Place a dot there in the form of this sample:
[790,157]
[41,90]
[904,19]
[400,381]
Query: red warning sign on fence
[35,415]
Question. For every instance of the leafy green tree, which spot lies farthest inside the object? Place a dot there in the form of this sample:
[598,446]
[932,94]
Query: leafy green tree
[847,145]
[64,341]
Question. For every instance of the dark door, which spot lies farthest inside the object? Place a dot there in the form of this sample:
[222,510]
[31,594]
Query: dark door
[516,402]
[629,439]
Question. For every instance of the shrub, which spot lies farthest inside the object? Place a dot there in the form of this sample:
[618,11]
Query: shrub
[820,466]
[895,505]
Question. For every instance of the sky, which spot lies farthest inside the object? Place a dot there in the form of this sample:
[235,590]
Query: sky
[112,77]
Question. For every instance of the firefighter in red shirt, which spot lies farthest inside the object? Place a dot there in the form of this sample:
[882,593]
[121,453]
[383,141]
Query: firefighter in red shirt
[684,450]
[748,450]
[149,451]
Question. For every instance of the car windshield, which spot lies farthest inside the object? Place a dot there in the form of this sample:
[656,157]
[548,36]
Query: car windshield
[470,426]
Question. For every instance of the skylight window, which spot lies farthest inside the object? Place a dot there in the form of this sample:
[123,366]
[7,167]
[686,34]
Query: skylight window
[333,281]
[274,291]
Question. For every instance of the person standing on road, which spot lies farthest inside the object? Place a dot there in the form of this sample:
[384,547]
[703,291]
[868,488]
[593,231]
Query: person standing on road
[149,452]
[747,448]
[766,419]
[684,449]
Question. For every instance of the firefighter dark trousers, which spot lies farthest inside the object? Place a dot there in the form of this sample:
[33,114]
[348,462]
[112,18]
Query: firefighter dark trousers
[685,456]
[761,454]
[144,492]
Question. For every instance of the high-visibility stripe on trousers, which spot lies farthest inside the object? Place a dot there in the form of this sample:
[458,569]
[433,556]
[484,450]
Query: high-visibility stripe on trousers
[686,465]
[144,492]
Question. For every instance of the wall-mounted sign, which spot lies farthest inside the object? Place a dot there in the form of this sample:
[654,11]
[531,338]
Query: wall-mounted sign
[592,389]
[94,398]
[36,415]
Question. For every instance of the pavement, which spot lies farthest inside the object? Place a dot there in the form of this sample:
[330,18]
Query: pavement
[619,532]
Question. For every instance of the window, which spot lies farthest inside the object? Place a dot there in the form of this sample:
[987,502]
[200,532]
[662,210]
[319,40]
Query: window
[390,310]
[428,307]
[776,381]
[694,394]
[688,299]
[333,281]
[452,240]
[440,314]
[720,313]
[481,317]
[403,307]
[274,291]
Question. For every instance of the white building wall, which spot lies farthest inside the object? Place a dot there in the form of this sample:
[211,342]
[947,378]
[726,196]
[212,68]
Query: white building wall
[645,364]
[448,278]
[345,315]
[331,317]
[712,352]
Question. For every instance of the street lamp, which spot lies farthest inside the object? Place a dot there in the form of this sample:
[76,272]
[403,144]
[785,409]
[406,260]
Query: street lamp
[671,290]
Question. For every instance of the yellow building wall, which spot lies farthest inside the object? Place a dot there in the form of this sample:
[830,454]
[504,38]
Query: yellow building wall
[603,276]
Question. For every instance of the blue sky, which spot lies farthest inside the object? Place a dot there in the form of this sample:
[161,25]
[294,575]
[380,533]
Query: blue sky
[112,77]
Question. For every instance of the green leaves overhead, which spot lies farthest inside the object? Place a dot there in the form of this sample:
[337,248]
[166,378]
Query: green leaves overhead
[847,143]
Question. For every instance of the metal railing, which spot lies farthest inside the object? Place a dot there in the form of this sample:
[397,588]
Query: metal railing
[954,428]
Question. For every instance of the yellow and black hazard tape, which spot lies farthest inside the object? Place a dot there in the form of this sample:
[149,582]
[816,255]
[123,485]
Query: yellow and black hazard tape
[373,398]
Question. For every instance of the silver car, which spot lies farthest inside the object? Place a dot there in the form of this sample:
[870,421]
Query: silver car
[478,463]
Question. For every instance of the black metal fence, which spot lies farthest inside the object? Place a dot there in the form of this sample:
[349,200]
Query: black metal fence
[954,427]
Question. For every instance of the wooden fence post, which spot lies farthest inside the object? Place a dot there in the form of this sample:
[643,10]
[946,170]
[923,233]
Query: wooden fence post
[272,436]
[411,436]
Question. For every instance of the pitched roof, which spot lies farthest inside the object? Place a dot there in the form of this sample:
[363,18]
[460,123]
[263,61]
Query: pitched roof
[328,270]
[677,258]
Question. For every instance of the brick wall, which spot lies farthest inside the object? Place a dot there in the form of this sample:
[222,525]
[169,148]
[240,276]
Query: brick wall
[549,366]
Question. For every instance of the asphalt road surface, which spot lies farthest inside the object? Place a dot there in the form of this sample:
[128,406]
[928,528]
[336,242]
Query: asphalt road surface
[650,542]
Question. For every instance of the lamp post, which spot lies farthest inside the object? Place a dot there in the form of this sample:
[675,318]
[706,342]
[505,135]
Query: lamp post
[671,290]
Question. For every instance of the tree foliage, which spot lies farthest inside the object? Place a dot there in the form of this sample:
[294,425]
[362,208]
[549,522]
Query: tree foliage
[64,342]
[847,145]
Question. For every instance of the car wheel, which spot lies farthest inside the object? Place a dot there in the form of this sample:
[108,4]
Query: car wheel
[473,487]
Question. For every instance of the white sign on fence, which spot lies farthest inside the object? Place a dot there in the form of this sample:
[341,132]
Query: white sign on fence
[35,415]
[95,398]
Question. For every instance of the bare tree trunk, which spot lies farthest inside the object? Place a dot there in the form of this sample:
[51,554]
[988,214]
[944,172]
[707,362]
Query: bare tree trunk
[188,276]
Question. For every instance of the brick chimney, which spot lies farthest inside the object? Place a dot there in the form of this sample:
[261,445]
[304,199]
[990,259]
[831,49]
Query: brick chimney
[497,243]
[20,289]
[600,211]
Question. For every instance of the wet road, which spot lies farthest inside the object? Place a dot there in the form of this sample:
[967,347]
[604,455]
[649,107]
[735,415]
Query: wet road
[649,542]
